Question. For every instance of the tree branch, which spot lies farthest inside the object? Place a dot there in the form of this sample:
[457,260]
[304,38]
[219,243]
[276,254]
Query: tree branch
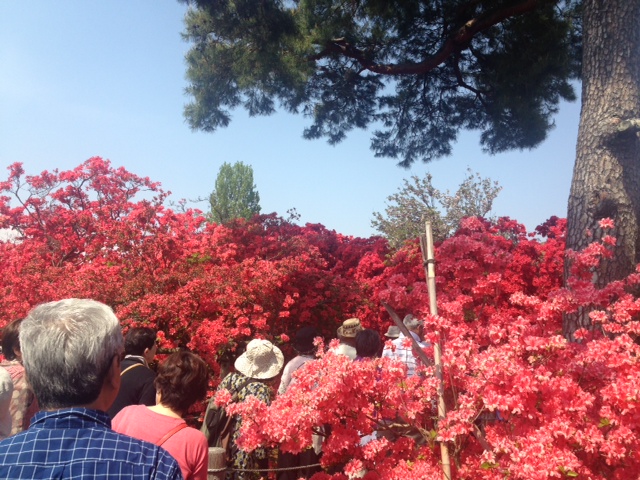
[455,42]
[461,83]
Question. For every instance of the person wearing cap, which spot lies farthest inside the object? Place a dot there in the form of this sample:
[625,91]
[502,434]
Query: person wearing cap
[403,351]
[306,350]
[347,335]
[255,370]
[393,332]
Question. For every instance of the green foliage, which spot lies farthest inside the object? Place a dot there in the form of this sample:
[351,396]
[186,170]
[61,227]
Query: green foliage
[235,194]
[418,70]
[419,201]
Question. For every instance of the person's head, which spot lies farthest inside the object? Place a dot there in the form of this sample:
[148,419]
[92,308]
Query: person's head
[11,340]
[368,343]
[70,350]
[303,341]
[182,380]
[413,324]
[262,360]
[349,329]
[392,332]
[141,341]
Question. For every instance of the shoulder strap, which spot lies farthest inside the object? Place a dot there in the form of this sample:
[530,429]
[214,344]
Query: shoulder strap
[130,367]
[171,432]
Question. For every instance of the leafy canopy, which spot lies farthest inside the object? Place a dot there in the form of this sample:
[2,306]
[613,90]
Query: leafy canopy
[419,201]
[235,194]
[417,71]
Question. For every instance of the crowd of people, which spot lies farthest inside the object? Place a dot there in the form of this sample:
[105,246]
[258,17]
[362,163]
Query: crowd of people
[79,400]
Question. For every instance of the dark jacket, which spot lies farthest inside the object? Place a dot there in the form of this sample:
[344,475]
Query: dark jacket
[136,386]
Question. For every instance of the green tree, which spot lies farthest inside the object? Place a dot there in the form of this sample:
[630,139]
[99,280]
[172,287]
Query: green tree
[419,71]
[235,194]
[418,200]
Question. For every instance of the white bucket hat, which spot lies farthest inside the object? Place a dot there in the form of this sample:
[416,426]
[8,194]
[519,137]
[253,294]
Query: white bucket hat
[261,360]
[393,332]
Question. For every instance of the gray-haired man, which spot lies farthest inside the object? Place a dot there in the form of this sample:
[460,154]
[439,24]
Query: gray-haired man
[72,351]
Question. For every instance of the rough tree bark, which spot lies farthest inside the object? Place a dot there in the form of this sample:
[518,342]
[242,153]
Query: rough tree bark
[606,175]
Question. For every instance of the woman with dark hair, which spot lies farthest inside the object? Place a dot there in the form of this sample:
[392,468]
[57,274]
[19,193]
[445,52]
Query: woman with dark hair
[368,344]
[181,381]
[306,350]
[23,404]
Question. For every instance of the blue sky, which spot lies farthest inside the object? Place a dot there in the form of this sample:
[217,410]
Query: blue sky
[90,78]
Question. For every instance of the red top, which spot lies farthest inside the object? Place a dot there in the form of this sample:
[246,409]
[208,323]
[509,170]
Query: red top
[188,446]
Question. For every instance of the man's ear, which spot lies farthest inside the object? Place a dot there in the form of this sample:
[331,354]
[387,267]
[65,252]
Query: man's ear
[110,386]
[113,375]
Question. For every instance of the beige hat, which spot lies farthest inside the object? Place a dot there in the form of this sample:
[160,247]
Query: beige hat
[392,332]
[350,328]
[261,360]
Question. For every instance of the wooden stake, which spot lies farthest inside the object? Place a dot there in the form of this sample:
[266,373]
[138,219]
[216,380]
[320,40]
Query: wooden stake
[217,463]
[426,246]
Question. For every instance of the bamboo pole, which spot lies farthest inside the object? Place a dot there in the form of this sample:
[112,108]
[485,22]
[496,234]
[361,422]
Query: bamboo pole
[426,246]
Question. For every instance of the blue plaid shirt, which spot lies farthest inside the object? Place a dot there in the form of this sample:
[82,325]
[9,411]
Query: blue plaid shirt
[78,443]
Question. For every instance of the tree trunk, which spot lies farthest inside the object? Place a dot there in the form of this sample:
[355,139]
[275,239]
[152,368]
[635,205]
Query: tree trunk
[606,175]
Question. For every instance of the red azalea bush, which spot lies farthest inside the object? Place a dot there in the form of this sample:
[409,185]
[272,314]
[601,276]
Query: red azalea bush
[104,233]
[522,401]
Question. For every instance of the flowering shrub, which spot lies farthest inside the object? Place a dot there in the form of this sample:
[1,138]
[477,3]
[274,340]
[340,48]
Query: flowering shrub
[522,401]
[104,233]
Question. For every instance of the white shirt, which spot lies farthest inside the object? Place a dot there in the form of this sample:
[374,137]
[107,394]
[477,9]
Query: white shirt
[293,365]
[403,353]
[347,350]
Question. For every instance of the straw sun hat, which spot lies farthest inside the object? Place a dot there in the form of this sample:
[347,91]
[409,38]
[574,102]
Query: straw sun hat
[349,328]
[261,360]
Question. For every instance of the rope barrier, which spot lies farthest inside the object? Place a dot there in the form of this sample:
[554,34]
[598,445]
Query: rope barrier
[217,467]
[281,469]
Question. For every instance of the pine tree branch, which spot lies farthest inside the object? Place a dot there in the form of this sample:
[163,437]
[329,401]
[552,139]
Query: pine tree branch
[455,42]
